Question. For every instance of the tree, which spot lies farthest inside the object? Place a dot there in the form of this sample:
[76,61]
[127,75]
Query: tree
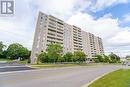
[99,58]
[16,51]
[96,60]
[24,53]
[68,57]
[4,54]
[114,58]
[79,56]
[2,46]
[54,51]
[106,59]
[127,57]
[42,58]
[75,57]
[60,59]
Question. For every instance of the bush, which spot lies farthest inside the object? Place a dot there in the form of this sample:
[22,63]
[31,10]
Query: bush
[68,57]
[96,60]
[42,58]
[114,58]
[79,56]
[106,59]
[100,58]
[60,59]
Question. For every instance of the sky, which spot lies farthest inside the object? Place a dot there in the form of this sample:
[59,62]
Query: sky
[109,19]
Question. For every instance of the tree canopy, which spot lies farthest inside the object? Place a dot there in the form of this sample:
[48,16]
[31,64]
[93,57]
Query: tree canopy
[79,56]
[54,54]
[15,51]
[54,51]
[114,58]
[68,57]
[1,47]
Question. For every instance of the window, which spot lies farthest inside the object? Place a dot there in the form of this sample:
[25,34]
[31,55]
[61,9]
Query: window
[51,26]
[51,30]
[60,23]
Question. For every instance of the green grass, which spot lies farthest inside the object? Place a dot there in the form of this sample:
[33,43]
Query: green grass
[4,59]
[56,65]
[119,78]
[44,65]
[23,62]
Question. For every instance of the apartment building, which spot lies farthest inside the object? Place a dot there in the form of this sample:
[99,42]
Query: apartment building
[77,39]
[50,29]
[68,38]
[92,45]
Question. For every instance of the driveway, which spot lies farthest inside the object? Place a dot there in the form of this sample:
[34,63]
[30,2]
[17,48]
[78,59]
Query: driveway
[56,77]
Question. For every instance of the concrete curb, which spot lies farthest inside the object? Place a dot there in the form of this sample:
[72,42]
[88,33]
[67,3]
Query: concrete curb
[86,85]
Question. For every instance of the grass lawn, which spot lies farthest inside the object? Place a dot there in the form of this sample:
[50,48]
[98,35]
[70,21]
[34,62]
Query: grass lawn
[44,65]
[119,78]
[23,62]
[4,59]
[57,65]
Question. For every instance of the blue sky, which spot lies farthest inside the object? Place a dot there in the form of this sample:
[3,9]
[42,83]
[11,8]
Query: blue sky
[117,11]
[109,19]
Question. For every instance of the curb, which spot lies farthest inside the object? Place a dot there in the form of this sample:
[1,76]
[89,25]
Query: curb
[86,85]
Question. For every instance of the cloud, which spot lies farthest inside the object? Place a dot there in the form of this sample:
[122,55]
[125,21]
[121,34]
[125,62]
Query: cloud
[21,27]
[62,8]
[18,28]
[104,26]
[13,32]
[114,36]
[121,39]
[126,18]
[102,4]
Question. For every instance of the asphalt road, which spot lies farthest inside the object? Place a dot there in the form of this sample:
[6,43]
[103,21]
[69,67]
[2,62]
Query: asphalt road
[8,67]
[57,77]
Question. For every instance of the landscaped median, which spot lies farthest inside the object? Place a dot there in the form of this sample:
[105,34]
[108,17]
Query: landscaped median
[119,78]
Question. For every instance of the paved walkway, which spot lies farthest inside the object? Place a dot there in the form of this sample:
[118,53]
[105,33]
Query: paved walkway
[58,77]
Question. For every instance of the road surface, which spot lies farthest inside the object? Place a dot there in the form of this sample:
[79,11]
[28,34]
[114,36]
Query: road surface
[7,67]
[56,77]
